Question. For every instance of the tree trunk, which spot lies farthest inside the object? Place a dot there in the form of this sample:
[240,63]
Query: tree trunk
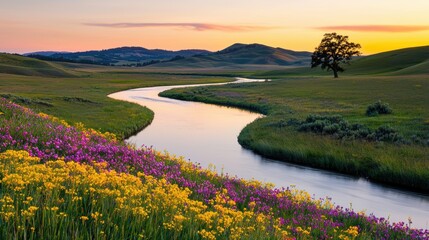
[334,68]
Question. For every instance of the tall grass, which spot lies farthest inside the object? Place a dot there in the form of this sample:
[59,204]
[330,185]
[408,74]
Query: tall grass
[395,164]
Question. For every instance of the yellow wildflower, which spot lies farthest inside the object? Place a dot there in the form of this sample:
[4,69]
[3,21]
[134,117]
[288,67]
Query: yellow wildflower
[209,235]
[62,214]
[54,209]
[352,231]
[96,215]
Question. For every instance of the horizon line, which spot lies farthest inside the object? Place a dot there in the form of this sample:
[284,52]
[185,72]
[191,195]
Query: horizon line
[175,50]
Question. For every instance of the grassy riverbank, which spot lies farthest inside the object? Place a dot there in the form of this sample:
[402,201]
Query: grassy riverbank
[405,165]
[78,92]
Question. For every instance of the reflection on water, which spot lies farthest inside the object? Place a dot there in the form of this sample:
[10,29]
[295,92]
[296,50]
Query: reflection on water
[207,134]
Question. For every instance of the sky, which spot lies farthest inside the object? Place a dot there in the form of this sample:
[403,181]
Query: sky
[79,25]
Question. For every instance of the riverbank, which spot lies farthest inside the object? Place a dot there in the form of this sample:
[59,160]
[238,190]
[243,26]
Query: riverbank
[403,166]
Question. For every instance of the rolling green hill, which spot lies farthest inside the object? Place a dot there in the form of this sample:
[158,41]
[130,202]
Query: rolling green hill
[19,65]
[406,61]
[402,61]
[240,55]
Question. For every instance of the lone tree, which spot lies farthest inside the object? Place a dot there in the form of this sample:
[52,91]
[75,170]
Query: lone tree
[333,50]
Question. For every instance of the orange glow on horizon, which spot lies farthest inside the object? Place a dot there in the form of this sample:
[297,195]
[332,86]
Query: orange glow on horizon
[94,25]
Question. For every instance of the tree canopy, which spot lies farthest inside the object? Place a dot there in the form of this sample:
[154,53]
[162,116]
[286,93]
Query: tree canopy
[333,50]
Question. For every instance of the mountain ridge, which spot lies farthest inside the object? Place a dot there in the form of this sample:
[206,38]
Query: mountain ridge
[127,55]
[240,54]
[234,55]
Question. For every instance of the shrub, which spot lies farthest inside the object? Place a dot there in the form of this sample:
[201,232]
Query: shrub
[420,139]
[26,101]
[339,128]
[378,108]
[387,134]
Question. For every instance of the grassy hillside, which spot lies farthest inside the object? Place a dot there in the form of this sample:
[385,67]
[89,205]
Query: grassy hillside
[420,68]
[393,62]
[19,65]
[63,182]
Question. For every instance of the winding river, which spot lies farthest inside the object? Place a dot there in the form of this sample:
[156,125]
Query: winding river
[207,134]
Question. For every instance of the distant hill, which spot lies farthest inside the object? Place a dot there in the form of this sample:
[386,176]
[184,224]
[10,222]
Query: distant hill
[20,65]
[277,61]
[132,56]
[240,54]
[44,53]
[413,60]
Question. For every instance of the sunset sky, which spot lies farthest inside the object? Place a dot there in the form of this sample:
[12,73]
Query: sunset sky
[78,25]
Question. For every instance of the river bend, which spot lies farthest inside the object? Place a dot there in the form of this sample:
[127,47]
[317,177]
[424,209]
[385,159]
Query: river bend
[207,134]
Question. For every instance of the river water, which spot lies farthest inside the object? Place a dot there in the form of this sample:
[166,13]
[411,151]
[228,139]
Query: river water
[207,134]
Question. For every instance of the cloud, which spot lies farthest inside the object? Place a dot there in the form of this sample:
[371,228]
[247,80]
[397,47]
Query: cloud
[376,28]
[190,26]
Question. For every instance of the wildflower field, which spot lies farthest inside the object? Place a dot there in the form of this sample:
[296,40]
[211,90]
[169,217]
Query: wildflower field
[69,182]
